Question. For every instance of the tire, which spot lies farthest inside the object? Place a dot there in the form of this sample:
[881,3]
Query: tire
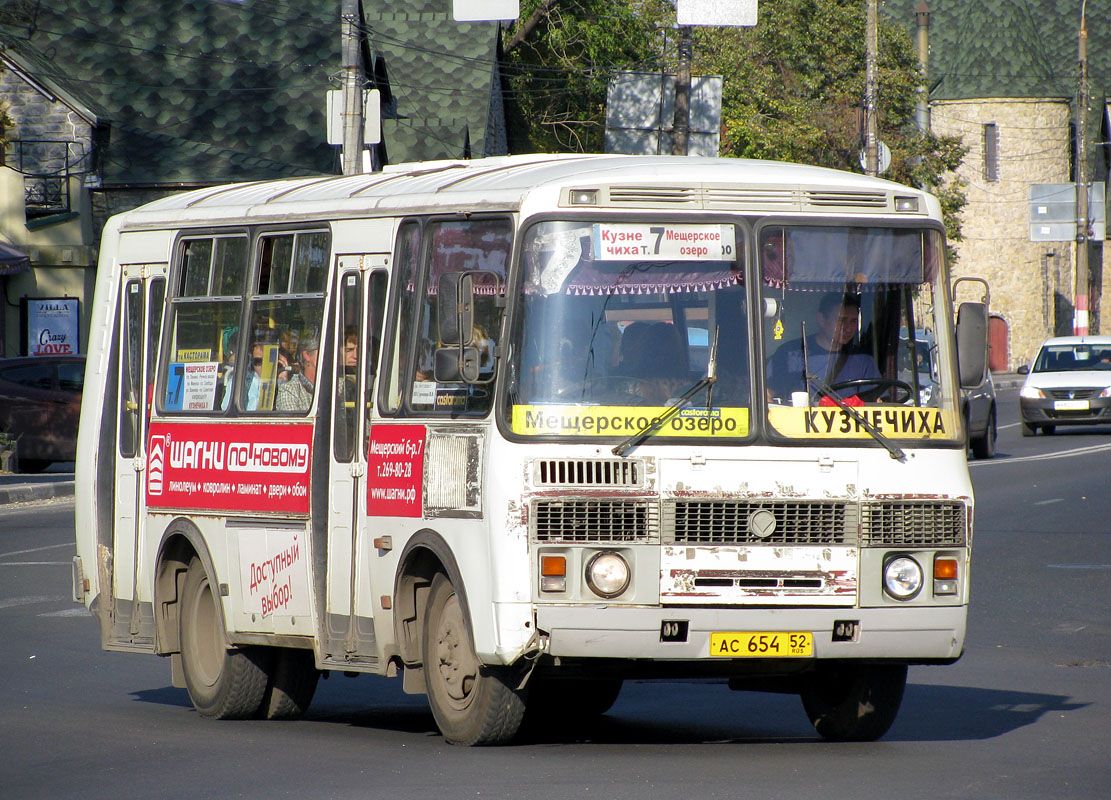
[1028,429]
[854,702]
[984,446]
[33,465]
[291,685]
[1049,430]
[223,683]
[473,704]
[556,701]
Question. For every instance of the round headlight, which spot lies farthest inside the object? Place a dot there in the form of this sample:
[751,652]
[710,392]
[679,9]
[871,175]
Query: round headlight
[902,577]
[607,574]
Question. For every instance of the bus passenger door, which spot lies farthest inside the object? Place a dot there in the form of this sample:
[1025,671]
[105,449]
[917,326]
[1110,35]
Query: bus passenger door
[143,292]
[361,294]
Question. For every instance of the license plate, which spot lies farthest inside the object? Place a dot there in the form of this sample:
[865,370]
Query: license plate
[777,644]
[1070,405]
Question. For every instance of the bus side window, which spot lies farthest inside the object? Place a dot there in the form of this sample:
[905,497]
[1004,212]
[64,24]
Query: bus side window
[407,262]
[347,360]
[287,312]
[480,246]
[205,304]
[375,322]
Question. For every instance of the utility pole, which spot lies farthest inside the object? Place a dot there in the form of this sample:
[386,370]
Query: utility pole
[922,107]
[680,130]
[871,46]
[1080,310]
[353,80]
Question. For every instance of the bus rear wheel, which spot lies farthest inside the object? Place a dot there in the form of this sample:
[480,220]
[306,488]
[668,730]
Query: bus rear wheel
[223,683]
[293,678]
[473,704]
[854,702]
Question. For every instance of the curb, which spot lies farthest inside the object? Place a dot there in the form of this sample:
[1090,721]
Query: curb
[25,493]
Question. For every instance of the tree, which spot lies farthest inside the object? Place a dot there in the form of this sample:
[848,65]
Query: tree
[559,58]
[793,85]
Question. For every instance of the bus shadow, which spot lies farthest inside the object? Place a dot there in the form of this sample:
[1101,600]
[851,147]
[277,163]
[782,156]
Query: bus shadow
[649,712]
[676,712]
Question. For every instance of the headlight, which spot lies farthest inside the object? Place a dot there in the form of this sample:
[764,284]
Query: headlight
[607,574]
[902,577]
[1106,392]
[1031,393]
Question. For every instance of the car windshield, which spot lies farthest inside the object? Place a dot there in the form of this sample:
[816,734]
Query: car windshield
[1073,358]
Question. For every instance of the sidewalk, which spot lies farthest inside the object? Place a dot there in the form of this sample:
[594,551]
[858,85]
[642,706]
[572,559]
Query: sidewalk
[23,488]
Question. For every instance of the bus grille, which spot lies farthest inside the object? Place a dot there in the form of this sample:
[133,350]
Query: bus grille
[914,524]
[587,472]
[713,522]
[594,520]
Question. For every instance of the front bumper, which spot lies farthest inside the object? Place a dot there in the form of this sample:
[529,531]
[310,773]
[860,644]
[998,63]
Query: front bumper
[1065,411]
[911,634]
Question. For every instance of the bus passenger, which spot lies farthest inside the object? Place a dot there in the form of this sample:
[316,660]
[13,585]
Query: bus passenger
[832,354]
[296,393]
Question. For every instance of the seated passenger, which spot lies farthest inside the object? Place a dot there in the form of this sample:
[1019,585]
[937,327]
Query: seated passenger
[296,393]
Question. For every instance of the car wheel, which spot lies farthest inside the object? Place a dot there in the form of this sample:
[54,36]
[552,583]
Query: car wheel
[1049,430]
[1028,429]
[984,446]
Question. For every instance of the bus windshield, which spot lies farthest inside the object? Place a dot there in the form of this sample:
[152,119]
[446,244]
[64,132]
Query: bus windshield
[618,320]
[844,309]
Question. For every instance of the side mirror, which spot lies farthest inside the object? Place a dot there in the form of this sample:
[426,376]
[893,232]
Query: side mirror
[457,363]
[455,308]
[1023,370]
[972,343]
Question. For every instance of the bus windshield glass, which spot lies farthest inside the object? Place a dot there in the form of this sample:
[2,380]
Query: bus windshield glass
[847,315]
[618,320]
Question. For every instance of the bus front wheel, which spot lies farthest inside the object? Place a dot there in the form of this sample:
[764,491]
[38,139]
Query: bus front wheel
[854,702]
[223,683]
[473,704]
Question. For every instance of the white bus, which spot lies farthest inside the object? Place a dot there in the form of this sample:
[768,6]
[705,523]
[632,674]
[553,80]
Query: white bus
[519,429]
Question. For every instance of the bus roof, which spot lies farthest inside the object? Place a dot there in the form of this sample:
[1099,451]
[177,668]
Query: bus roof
[506,182]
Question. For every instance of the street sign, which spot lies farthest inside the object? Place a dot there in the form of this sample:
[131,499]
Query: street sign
[1053,212]
[482,10]
[372,116]
[738,13]
[883,158]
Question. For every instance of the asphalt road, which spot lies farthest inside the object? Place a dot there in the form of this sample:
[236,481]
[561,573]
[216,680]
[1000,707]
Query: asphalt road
[1026,713]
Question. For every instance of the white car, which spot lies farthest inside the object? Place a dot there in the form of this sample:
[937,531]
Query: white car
[1069,384]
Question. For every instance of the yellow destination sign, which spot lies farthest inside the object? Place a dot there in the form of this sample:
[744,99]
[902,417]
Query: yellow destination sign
[572,420]
[904,422]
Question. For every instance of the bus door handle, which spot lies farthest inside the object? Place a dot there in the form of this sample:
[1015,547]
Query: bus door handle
[358,469]
[139,463]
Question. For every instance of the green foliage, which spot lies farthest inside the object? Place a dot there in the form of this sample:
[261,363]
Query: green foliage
[793,85]
[558,74]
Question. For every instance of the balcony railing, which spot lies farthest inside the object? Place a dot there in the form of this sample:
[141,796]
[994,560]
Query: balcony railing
[46,165]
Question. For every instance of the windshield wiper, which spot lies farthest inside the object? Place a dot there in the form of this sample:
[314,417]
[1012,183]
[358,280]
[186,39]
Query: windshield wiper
[679,403]
[825,390]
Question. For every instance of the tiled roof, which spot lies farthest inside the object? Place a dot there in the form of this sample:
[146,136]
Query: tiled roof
[1009,48]
[218,90]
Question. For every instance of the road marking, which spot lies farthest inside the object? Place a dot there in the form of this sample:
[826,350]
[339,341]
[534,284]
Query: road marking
[36,563]
[69,612]
[1047,502]
[29,601]
[35,550]
[1079,566]
[1077,451]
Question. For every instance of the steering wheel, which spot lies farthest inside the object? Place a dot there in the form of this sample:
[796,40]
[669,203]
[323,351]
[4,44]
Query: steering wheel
[880,385]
